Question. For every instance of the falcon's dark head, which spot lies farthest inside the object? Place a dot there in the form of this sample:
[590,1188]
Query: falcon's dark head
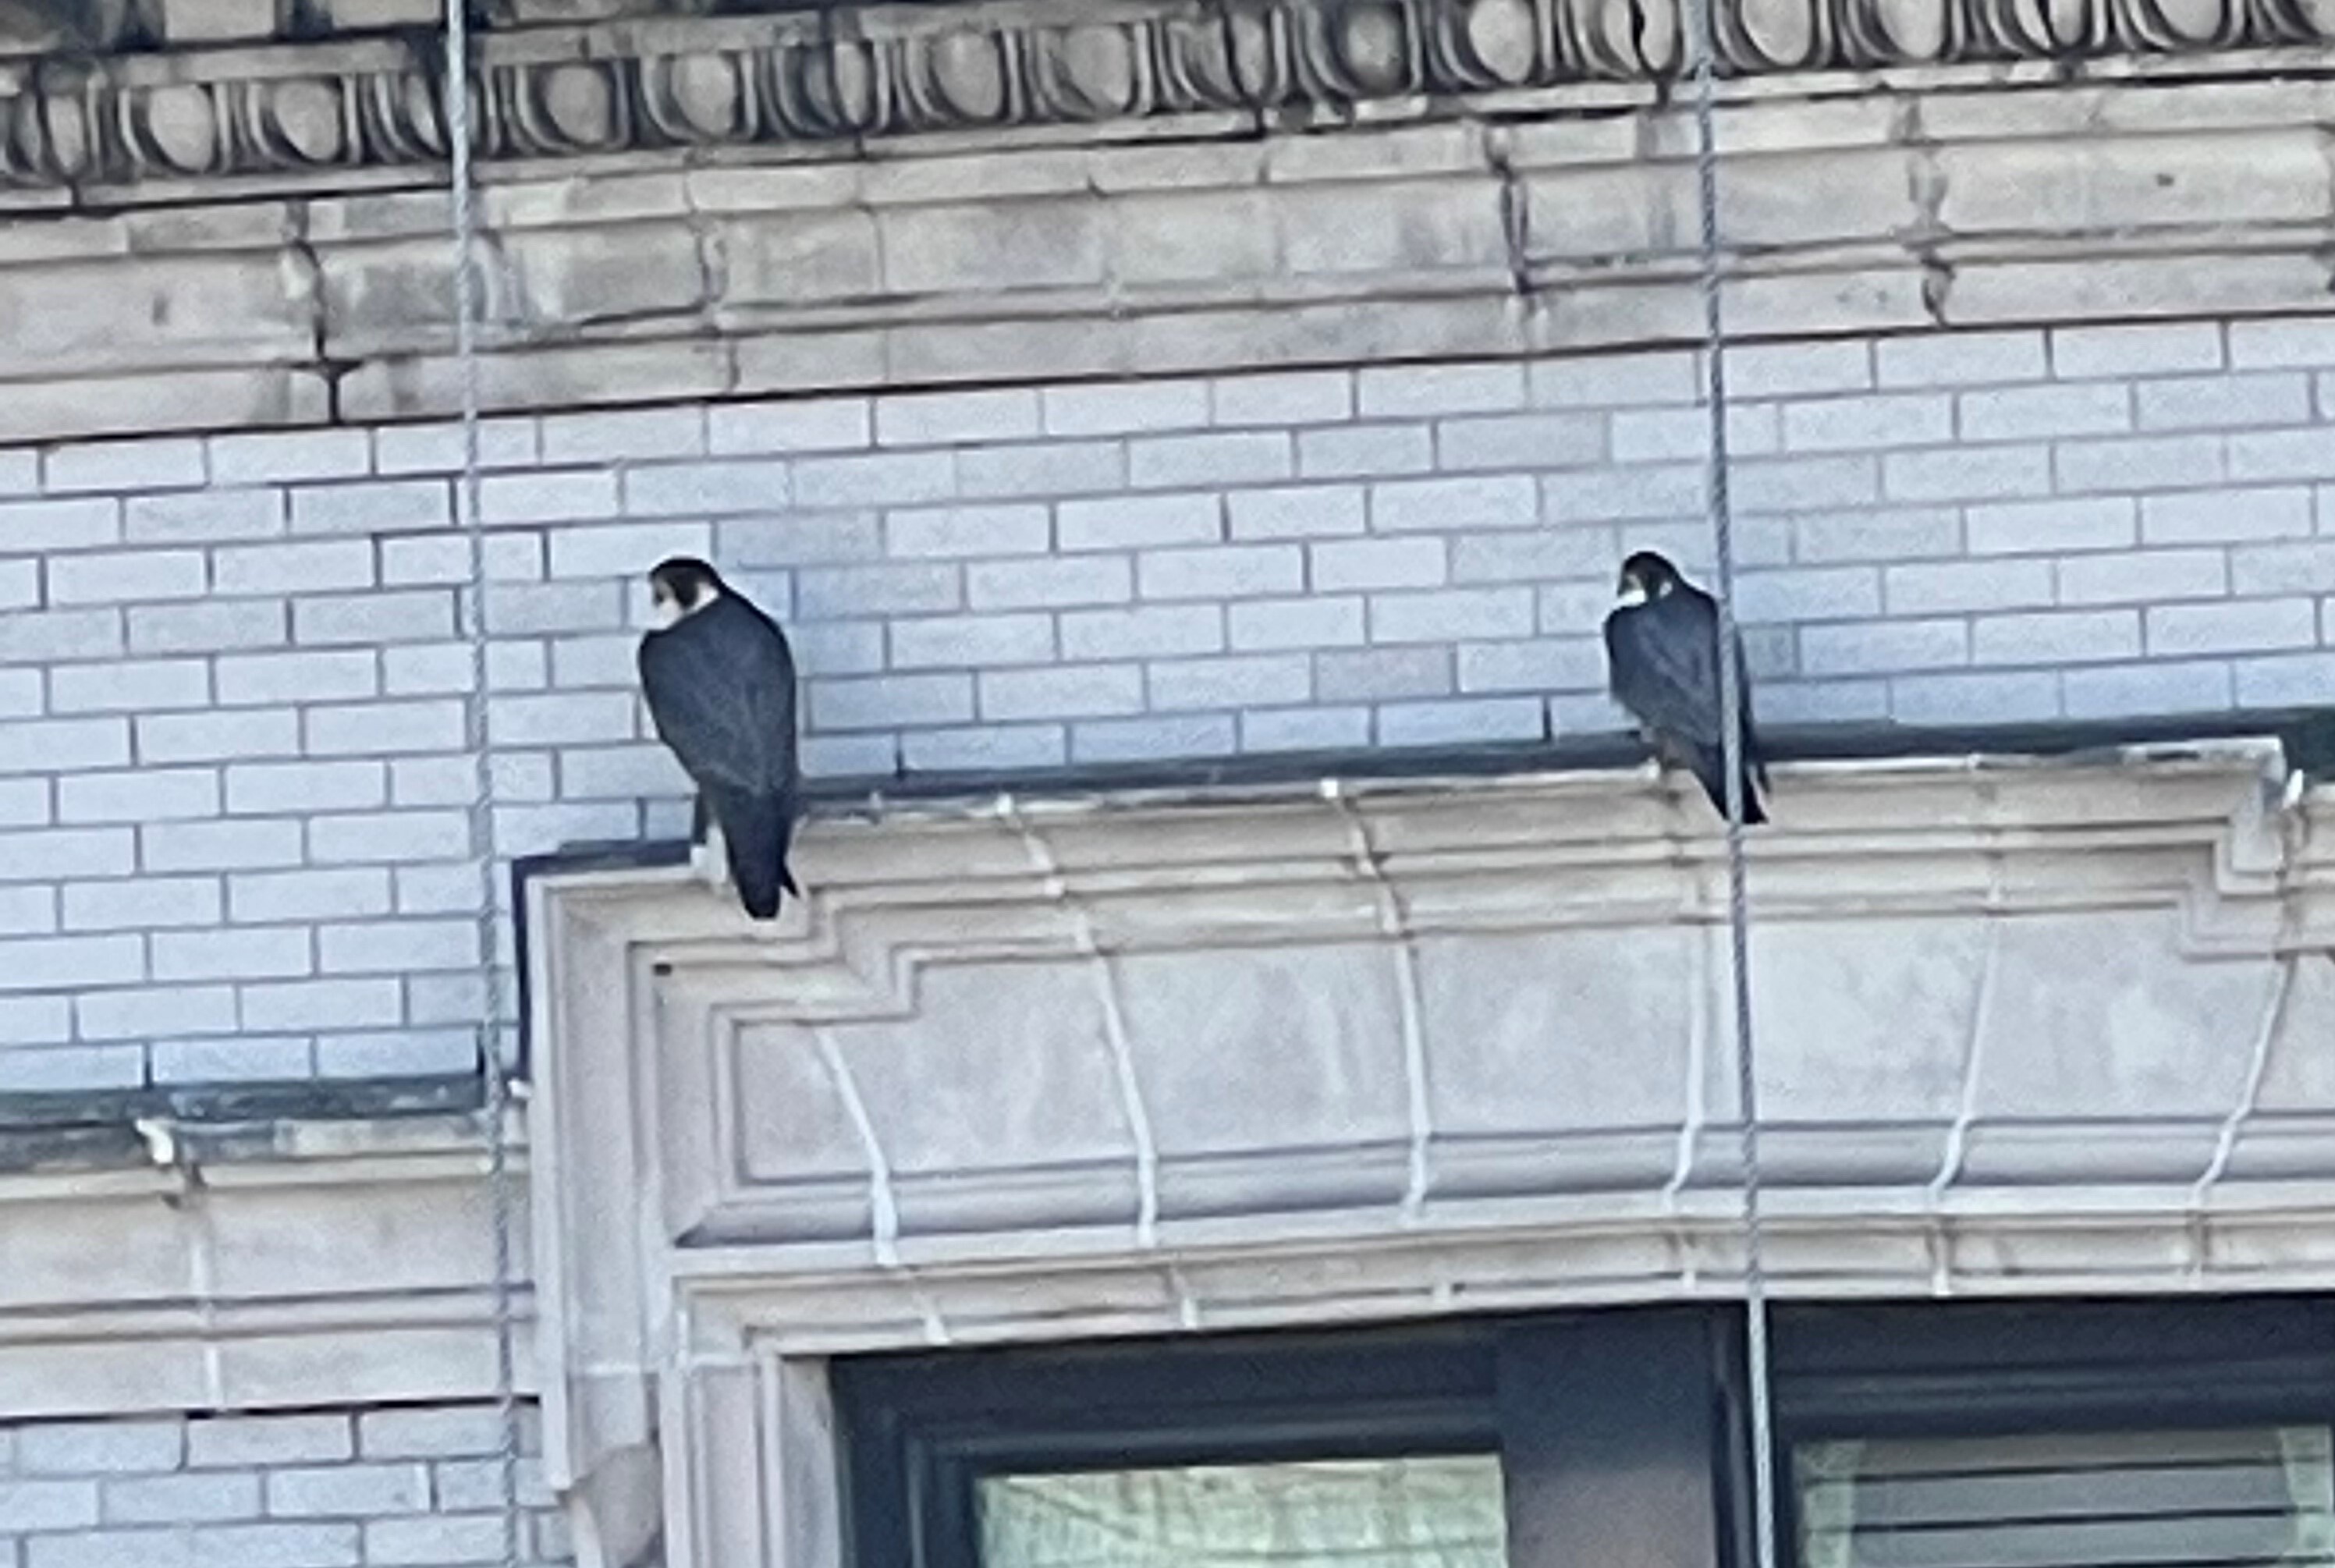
[1645,575]
[680,585]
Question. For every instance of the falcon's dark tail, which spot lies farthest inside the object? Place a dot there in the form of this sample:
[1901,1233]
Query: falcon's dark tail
[760,829]
[1708,763]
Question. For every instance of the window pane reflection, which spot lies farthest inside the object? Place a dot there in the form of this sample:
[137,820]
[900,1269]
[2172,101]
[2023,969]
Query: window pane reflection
[1409,1513]
[2232,1499]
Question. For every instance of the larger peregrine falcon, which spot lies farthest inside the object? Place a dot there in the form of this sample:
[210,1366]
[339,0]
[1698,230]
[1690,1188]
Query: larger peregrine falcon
[1662,650]
[720,681]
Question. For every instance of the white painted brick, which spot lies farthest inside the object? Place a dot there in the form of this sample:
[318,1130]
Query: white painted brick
[1960,359]
[1153,631]
[182,1499]
[384,729]
[99,1448]
[232,955]
[2016,527]
[43,635]
[523,609]
[985,748]
[227,1441]
[2139,464]
[1284,397]
[321,1005]
[2139,576]
[2219,517]
[24,803]
[1866,534]
[75,525]
[1439,506]
[378,507]
[1460,723]
[2056,637]
[968,531]
[1056,582]
[2039,413]
[620,772]
[1062,691]
[1520,441]
[307,677]
[309,567]
[1313,511]
[129,686]
[364,619]
[1409,392]
[624,435]
[1572,552]
[125,576]
[1127,522]
[204,516]
[2268,570]
[442,1432]
[1412,562]
[1376,675]
[243,1059]
[453,780]
[386,837]
[1968,474]
[1258,680]
[466,1486]
[1798,369]
[436,890]
[281,457]
[256,845]
[2006,697]
[1305,730]
[1614,380]
[837,647]
[955,418]
[142,903]
[1857,423]
[145,795]
[959,641]
[2153,349]
[890,479]
[35,1506]
[1683,434]
[63,745]
[439,1541]
[37,1020]
[20,475]
[27,910]
[412,1053]
[574,496]
[450,999]
[888,701]
[219,737]
[1168,735]
[397,947]
[842,592]
[1541,665]
[2281,343]
[1808,593]
[1266,625]
[1365,451]
[277,1547]
[2285,681]
[566,718]
[2009,584]
[599,661]
[169,463]
[2223,402]
[2298,454]
[801,539]
[21,695]
[1611,495]
[1223,571]
[723,486]
[808,425]
[2237,626]
[2157,687]
[48,1069]
[1883,647]
[20,585]
[442,559]
[55,854]
[348,1491]
[261,788]
[1224,458]
[219,626]
[1452,614]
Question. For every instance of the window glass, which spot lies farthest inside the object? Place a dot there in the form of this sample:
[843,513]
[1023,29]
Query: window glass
[1443,1512]
[2230,1499]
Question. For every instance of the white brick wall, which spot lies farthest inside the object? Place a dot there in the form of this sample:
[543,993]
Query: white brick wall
[392,1487]
[233,842]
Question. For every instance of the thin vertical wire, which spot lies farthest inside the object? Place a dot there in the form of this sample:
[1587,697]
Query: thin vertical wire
[1702,47]
[481,814]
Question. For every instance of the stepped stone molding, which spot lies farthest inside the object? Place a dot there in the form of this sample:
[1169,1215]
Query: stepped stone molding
[839,78]
[1025,1069]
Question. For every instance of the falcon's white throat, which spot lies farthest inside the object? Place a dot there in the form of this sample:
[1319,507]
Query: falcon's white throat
[666,610]
[1633,593]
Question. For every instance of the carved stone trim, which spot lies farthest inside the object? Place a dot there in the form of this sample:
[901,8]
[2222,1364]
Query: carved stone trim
[832,80]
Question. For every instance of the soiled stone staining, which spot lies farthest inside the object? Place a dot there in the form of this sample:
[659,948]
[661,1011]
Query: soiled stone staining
[795,79]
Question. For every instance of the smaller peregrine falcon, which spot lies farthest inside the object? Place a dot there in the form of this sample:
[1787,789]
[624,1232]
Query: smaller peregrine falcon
[1661,651]
[720,681]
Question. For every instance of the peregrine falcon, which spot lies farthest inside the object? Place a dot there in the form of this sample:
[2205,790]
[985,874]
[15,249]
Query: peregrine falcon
[720,681]
[1661,651]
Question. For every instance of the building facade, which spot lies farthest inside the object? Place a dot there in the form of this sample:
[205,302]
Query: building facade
[1253,1075]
